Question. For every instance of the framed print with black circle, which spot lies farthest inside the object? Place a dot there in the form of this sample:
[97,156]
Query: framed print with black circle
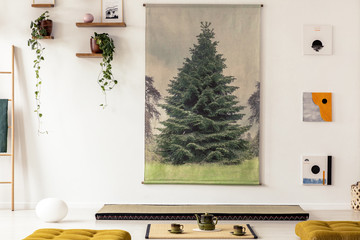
[317,39]
[317,170]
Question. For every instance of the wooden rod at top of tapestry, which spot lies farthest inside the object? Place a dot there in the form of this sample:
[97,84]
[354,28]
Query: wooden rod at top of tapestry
[261,5]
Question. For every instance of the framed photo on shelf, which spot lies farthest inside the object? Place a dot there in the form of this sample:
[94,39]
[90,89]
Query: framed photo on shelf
[112,11]
[43,1]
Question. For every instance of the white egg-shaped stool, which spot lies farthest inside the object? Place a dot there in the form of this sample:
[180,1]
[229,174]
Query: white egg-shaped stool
[51,210]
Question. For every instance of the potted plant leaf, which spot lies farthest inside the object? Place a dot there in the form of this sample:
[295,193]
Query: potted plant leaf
[40,28]
[102,43]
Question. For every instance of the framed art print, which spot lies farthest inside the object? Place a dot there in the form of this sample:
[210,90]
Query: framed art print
[317,107]
[316,170]
[43,1]
[112,11]
[317,39]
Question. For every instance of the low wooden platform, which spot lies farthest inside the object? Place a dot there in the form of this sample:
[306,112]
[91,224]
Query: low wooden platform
[186,212]
[161,231]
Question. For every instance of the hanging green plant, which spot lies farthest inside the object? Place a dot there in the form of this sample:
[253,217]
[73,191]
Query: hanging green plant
[40,28]
[106,45]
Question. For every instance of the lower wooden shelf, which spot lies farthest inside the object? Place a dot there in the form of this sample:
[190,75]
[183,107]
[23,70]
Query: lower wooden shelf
[39,5]
[89,55]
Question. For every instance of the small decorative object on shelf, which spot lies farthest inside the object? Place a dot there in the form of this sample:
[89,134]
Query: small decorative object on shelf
[43,3]
[41,28]
[88,18]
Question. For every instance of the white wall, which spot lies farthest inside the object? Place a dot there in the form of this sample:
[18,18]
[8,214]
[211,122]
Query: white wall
[93,156]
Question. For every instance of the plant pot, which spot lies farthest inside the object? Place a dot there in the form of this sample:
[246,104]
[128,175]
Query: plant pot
[47,26]
[94,46]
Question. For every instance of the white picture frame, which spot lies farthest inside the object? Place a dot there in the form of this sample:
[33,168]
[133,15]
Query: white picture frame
[43,1]
[318,40]
[112,11]
[316,170]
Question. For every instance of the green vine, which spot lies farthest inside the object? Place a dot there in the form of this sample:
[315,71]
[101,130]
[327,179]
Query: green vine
[38,33]
[106,79]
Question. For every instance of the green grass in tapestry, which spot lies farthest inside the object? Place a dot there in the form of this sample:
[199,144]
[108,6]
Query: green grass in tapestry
[245,173]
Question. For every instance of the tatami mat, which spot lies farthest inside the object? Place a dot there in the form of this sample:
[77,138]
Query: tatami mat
[186,212]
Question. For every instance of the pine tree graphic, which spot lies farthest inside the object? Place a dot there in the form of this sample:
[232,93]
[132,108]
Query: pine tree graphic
[202,110]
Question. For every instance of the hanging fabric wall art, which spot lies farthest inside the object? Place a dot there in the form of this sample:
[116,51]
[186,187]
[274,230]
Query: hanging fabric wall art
[202,99]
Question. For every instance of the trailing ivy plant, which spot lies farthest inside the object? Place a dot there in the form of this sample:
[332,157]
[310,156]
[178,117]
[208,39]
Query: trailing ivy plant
[38,33]
[106,79]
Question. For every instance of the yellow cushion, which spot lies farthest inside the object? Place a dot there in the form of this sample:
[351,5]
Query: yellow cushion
[78,234]
[328,230]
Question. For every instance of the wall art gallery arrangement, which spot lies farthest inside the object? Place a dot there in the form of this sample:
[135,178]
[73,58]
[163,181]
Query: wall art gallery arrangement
[202,94]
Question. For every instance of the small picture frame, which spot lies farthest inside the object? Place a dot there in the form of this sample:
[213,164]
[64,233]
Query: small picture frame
[43,1]
[318,39]
[112,11]
[316,170]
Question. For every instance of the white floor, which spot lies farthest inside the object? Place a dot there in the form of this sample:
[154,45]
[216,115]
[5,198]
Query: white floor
[21,223]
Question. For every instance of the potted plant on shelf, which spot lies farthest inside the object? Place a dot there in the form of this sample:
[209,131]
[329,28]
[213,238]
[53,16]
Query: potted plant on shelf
[40,28]
[102,43]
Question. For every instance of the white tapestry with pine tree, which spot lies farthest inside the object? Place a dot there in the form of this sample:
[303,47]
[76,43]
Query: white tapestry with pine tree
[202,94]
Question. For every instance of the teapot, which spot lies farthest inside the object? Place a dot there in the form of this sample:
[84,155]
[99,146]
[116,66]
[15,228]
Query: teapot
[206,221]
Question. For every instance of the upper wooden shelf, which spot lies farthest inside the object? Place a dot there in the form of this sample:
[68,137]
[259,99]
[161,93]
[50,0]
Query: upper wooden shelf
[89,55]
[40,5]
[119,24]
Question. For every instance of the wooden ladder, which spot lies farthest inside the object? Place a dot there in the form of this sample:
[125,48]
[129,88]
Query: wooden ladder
[11,154]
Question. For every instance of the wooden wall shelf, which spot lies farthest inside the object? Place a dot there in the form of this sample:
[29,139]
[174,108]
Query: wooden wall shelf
[89,55]
[38,5]
[119,24]
[45,37]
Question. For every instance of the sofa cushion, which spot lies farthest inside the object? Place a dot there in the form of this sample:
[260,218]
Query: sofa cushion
[78,234]
[328,230]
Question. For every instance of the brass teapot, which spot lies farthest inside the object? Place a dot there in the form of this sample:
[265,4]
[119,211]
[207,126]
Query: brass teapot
[206,221]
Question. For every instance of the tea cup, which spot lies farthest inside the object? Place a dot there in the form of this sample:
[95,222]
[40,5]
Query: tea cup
[176,227]
[239,230]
